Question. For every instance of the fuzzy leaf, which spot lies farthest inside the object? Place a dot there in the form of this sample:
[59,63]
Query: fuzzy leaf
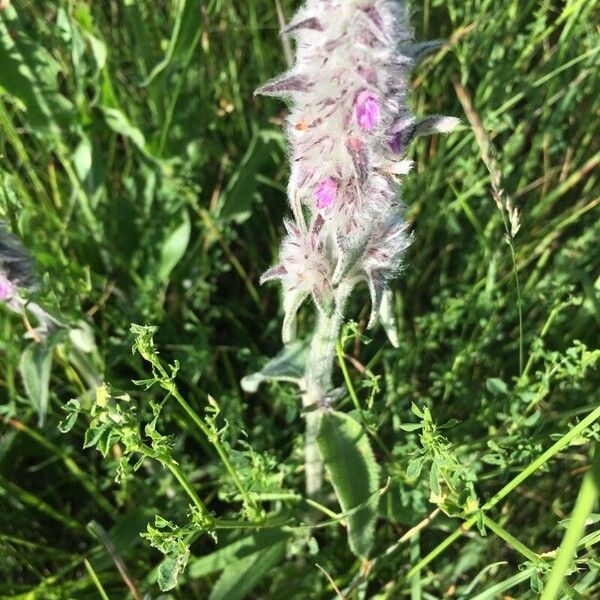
[434,124]
[35,366]
[376,285]
[354,474]
[292,301]
[406,129]
[284,86]
[418,52]
[311,23]
[358,153]
[387,318]
[288,365]
[276,272]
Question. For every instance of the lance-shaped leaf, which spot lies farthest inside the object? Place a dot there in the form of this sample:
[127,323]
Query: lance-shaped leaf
[292,301]
[406,129]
[418,52]
[399,168]
[433,124]
[276,272]
[354,474]
[286,85]
[303,22]
[360,159]
[376,284]
[350,250]
[288,365]
[387,318]
[35,366]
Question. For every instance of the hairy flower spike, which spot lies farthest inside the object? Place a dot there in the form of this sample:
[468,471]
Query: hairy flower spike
[6,288]
[16,274]
[367,110]
[348,128]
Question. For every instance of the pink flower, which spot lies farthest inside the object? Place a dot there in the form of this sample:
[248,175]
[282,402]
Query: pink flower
[326,192]
[366,109]
[6,288]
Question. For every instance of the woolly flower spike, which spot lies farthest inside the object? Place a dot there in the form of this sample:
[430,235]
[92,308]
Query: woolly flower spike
[367,110]
[348,128]
[16,273]
[6,288]
[16,267]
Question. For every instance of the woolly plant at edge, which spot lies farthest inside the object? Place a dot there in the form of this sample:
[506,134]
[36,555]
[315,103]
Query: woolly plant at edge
[348,129]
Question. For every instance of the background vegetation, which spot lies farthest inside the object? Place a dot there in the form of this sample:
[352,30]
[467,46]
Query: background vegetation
[148,183]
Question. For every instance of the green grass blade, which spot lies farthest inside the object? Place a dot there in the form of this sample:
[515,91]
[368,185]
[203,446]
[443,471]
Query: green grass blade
[584,505]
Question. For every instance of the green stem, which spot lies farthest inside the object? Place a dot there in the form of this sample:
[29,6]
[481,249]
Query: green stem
[171,387]
[318,383]
[512,541]
[584,505]
[95,579]
[187,486]
[508,488]
[522,549]
[214,440]
[339,349]
[342,362]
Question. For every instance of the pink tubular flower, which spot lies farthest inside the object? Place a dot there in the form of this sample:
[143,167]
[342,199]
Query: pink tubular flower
[326,192]
[366,109]
[6,288]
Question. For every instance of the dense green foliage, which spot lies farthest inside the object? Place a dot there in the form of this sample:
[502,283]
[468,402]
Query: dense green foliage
[149,184]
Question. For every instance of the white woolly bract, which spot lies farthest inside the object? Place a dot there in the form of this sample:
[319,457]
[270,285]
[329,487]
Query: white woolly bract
[348,129]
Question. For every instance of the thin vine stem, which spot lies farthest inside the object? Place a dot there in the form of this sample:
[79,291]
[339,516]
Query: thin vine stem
[522,549]
[171,387]
[218,447]
[187,486]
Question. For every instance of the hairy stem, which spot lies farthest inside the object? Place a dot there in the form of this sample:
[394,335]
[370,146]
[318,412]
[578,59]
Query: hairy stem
[318,378]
